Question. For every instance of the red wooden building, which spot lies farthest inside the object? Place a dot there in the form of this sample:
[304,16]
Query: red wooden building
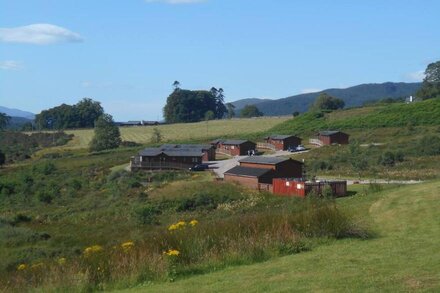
[301,188]
[283,142]
[258,172]
[234,147]
[329,137]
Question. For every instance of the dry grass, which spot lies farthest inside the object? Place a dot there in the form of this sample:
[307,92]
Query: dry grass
[185,131]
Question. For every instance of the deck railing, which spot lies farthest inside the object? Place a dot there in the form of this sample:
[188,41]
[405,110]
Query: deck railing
[315,141]
[262,145]
[160,165]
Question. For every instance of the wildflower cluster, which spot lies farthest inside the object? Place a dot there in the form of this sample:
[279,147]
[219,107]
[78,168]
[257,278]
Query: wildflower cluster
[172,252]
[182,224]
[127,246]
[21,267]
[61,261]
[93,250]
[177,226]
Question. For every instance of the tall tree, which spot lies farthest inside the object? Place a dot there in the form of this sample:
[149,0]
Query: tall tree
[327,102]
[250,111]
[431,83]
[107,135]
[4,120]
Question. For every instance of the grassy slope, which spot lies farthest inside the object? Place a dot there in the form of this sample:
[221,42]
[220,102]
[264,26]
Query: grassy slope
[403,257]
[186,131]
[426,113]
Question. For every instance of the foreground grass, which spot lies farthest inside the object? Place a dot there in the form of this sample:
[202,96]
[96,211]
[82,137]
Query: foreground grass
[402,257]
[185,131]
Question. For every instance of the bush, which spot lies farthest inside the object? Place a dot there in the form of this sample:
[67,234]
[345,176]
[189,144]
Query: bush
[45,197]
[429,146]
[148,214]
[387,159]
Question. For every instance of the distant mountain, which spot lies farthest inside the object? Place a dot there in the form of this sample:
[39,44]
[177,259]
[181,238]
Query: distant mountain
[17,113]
[352,96]
[16,123]
[252,101]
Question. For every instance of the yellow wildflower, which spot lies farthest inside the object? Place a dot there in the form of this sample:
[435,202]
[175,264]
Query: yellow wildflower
[193,222]
[93,249]
[21,267]
[61,260]
[177,226]
[127,246]
[37,266]
[172,252]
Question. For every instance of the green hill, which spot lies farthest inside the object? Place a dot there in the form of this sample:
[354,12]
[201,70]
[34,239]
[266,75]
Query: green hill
[353,97]
[426,113]
[403,257]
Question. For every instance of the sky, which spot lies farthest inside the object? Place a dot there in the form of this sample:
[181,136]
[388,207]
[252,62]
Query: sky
[126,54]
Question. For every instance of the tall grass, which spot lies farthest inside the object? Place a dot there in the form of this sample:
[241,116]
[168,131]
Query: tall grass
[191,248]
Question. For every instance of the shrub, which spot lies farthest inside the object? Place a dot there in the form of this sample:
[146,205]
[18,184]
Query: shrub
[148,214]
[387,159]
[45,197]
[429,146]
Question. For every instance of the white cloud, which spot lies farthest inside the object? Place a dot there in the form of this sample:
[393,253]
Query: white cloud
[11,65]
[38,34]
[415,76]
[176,1]
[309,90]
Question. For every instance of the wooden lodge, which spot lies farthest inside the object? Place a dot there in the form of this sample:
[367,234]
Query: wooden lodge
[283,142]
[330,137]
[301,188]
[258,172]
[234,147]
[170,156]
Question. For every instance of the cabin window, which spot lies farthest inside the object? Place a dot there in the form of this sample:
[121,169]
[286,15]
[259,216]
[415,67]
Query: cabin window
[233,147]
[194,160]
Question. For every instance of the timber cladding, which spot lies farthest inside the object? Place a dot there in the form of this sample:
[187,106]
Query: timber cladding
[329,137]
[283,142]
[235,147]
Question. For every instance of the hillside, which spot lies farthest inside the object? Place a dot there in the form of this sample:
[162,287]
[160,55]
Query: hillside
[403,257]
[352,96]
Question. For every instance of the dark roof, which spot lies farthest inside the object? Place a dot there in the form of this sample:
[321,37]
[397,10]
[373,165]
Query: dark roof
[216,141]
[264,160]
[280,137]
[248,171]
[153,152]
[185,146]
[329,132]
[235,141]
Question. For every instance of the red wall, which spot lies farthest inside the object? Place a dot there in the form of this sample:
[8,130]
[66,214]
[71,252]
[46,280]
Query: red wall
[283,186]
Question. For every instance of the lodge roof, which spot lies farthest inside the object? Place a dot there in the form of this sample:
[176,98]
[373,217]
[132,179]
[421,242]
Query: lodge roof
[235,141]
[280,137]
[329,132]
[264,160]
[175,151]
[248,171]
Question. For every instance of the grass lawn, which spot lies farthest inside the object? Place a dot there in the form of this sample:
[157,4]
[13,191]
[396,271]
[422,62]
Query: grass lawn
[402,257]
[185,131]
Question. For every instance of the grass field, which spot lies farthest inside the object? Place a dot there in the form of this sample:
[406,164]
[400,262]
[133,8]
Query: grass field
[402,257]
[186,131]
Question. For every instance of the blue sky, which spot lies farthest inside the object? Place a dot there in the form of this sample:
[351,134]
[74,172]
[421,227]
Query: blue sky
[126,54]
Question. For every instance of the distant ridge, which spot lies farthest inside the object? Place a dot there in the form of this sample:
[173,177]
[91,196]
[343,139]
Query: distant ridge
[353,96]
[17,113]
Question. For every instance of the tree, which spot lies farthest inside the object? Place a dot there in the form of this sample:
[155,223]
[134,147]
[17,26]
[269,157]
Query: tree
[191,106]
[295,113]
[230,108]
[431,83]
[209,115]
[2,158]
[326,102]
[82,115]
[4,120]
[250,111]
[176,85]
[107,135]
[156,137]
